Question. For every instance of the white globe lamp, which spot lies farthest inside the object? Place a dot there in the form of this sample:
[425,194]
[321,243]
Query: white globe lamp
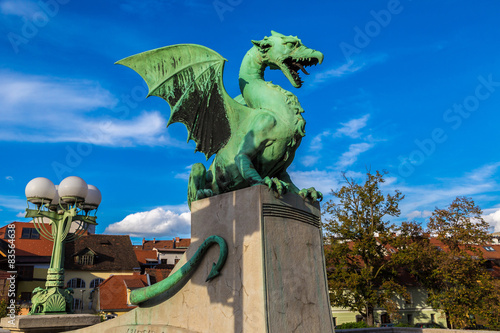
[40,190]
[93,199]
[73,189]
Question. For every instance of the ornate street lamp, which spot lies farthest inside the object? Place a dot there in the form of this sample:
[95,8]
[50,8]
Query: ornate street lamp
[72,201]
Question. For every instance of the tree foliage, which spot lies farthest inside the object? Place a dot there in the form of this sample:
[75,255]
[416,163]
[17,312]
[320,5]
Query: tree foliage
[4,311]
[361,274]
[453,270]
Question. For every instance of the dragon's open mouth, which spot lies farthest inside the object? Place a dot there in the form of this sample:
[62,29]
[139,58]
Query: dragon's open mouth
[294,65]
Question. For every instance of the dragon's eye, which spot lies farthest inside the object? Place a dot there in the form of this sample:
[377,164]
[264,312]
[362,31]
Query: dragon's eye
[292,44]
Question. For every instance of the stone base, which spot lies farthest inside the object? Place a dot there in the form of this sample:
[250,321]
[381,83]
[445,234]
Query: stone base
[274,279]
[49,323]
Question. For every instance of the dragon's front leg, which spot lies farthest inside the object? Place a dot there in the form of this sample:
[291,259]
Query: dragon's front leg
[250,174]
[252,147]
[305,193]
[197,186]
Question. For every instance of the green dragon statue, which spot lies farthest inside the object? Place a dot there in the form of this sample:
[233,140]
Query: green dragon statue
[255,135]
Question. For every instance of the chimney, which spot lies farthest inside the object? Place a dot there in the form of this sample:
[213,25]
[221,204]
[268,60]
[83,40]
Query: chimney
[143,241]
[154,240]
[177,239]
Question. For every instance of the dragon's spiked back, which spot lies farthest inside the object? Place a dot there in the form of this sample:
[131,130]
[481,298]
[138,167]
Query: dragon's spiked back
[189,78]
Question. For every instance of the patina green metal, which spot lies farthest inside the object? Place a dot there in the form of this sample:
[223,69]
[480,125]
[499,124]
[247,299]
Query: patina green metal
[255,135]
[141,295]
[55,299]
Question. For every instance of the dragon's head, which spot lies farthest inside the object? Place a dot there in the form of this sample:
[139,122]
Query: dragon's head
[288,54]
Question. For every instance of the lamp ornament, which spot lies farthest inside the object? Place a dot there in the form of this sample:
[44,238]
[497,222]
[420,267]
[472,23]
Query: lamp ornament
[58,206]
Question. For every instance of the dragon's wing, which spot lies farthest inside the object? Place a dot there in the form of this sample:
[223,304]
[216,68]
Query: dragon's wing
[189,78]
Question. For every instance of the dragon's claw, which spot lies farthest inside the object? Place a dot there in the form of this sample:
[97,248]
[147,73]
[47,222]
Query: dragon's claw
[311,193]
[275,184]
[201,194]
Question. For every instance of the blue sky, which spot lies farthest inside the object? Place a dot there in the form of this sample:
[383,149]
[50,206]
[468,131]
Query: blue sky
[412,87]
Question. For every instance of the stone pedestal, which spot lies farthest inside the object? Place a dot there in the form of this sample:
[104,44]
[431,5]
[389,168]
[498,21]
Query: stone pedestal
[274,279]
[49,323]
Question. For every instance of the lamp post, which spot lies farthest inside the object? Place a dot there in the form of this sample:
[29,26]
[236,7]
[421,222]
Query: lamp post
[71,201]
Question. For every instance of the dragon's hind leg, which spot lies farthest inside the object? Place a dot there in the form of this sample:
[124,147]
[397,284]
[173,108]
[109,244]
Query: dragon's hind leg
[197,187]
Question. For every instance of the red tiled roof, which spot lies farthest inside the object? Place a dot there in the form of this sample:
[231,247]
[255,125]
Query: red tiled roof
[158,274]
[113,253]
[29,247]
[142,255]
[166,244]
[490,255]
[134,283]
[183,242]
[113,291]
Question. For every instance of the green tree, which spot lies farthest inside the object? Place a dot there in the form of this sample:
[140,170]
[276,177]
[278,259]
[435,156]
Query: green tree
[361,273]
[4,312]
[454,273]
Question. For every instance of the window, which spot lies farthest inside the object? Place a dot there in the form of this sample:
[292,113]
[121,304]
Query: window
[432,317]
[77,304]
[9,233]
[25,272]
[489,248]
[334,321]
[87,259]
[164,261]
[28,233]
[409,318]
[95,282]
[76,283]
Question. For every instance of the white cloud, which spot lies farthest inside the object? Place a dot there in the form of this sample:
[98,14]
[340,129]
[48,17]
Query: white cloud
[12,202]
[309,160]
[157,222]
[317,141]
[178,209]
[18,8]
[417,213]
[321,180]
[184,175]
[9,178]
[420,200]
[342,70]
[484,172]
[46,109]
[351,156]
[350,67]
[146,129]
[48,99]
[493,219]
[352,127]
[21,214]
[477,184]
